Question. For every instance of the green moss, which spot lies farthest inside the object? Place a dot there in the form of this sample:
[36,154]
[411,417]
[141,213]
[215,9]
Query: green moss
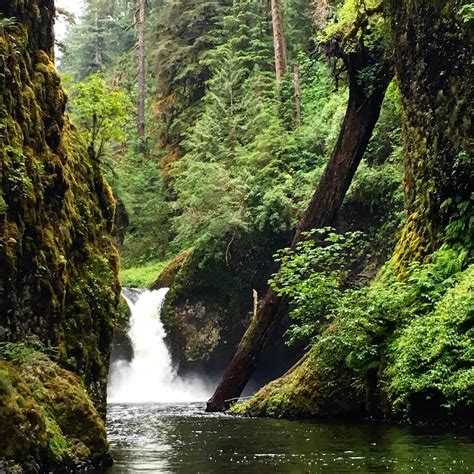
[201,308]
[176,271]
[66,429]
[350,15]
[436,133]
[142,276]
[56,216]
[58,447]
[22,425]
[3,206]
[308,389]
[5,385]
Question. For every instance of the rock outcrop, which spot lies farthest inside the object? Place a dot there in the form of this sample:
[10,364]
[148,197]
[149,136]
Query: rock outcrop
[58,277]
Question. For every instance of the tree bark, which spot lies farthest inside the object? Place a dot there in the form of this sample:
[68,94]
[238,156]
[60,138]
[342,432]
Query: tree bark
[279,43]
[98,47]
[297,85]
[141,72]
[360,119]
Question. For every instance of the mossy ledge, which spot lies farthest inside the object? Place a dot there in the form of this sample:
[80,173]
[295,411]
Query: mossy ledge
[210,302]
[59,266]
[48,420]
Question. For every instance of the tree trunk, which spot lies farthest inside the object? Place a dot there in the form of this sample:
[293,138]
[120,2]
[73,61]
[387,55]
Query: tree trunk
[98,45]
[279,42]
[297,84]
[360,119]
[141,73]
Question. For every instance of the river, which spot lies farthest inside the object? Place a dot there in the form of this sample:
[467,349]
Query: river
[181,438]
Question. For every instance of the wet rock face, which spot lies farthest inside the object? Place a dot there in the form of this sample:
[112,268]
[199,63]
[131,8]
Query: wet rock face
[58,278]
[59,265]
[200,326]
[203,315]
[210,304]
[48,422]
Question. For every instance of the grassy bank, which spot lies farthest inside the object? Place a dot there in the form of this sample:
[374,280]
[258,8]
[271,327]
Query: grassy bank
[141,276]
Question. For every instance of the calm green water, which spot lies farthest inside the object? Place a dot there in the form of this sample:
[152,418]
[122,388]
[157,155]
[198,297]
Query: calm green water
[183,439]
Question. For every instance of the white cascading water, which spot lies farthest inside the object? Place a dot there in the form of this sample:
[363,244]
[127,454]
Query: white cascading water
[150,376]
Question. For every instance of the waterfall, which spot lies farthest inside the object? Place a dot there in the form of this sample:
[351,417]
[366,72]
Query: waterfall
[150,376]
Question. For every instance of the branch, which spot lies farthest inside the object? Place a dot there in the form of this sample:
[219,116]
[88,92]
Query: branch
[361,20]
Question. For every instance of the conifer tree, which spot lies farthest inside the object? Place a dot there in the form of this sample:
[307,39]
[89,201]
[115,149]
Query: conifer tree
[142,16]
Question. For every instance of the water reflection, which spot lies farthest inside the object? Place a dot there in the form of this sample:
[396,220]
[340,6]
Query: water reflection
[181,438]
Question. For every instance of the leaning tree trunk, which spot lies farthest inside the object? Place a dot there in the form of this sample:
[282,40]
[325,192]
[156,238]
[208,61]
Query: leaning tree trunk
[360,119]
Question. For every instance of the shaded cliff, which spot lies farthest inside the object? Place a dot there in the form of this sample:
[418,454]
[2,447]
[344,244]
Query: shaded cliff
[209,304]
[402,347]
[58,279]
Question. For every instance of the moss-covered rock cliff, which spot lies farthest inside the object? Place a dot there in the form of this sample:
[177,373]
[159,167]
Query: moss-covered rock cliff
[402,348]
[432,56]
[49,422]
[58,278]
[210,302]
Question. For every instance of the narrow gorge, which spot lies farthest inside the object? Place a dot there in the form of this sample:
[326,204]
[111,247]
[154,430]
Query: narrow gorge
[236,236]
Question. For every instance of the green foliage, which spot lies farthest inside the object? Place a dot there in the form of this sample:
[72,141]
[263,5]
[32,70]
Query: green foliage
[24,351]
[8,24]
[416,332]
[18,179]
[142,276]
[99,53]
[459,214]
[101,113]
[104,117]
[138,181]
[350,14]
[246,173]
[215,212]
[100,40]
[183,37]
[433,355]
[467,12]
[314,277]
[12,29]
[299,25]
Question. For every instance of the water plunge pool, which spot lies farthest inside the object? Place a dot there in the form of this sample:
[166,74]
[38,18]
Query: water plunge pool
[182,438]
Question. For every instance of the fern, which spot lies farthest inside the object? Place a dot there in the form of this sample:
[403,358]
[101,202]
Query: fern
[8,24]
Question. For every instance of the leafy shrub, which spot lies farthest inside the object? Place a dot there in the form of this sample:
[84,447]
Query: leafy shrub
[314,277]
[434,353]
[413,333]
